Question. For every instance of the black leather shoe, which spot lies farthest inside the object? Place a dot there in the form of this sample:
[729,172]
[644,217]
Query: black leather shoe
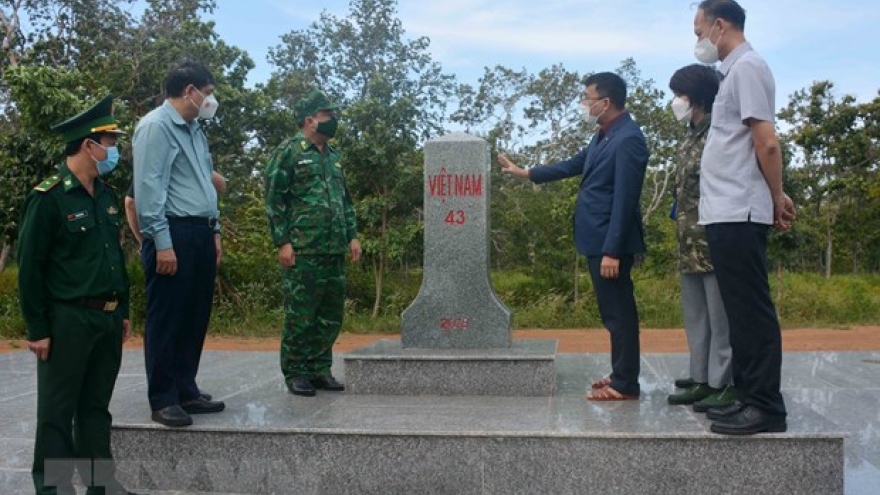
[684,382]
[327,383]
[300,385]
[749,421]
[201,406]
[205,396]
[172,416]
[117,489]
[716,413]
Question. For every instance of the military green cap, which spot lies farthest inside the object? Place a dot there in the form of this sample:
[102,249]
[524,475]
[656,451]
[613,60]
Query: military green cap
[94,120]
[312,103]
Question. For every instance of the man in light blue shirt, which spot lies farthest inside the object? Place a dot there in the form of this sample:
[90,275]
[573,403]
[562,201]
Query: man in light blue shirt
[177,212]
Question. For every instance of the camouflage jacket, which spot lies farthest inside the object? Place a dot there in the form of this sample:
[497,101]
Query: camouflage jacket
[693,248]
[307,199]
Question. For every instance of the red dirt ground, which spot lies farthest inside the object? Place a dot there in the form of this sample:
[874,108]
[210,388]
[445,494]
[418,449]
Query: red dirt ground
[862,338]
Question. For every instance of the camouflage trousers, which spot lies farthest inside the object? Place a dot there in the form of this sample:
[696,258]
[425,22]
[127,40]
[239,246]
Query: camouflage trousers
[314,303]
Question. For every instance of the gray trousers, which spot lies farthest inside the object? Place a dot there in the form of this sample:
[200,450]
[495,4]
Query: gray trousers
[707,329]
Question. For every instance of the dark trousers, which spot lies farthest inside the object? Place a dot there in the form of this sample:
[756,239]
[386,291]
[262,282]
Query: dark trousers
[739,254]
[617,307]
[74,387]
[178,312]
[314,305]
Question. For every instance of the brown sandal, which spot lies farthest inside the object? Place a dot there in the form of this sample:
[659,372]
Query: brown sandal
[609,394]
[601,383]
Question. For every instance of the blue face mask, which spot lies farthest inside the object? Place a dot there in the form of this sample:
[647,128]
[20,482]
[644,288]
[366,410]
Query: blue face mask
[108,164]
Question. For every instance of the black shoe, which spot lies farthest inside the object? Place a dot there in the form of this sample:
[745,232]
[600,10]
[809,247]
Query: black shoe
[716,413]
[201,406]
[114,490]
[327,382]
[749,421]
[300,385]
[684,382]
[172,416]
[205,396]
[693,394]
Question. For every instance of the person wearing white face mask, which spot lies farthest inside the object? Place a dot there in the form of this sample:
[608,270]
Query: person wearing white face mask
[177,213]
[706,327]
[741,196]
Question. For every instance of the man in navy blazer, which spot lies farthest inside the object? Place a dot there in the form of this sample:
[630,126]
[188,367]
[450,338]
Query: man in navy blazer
[607,221]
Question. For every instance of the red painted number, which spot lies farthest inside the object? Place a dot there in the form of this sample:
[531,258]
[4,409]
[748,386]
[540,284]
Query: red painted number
[456,218]
[454,324]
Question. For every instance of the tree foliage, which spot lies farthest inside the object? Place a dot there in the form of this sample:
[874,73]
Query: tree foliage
[60,55]
[393,97]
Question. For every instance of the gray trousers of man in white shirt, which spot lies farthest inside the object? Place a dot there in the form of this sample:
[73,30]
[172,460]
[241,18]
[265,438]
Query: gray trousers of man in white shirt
[707,329]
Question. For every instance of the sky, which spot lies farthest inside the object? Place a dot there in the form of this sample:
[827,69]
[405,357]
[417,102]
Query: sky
[802,40]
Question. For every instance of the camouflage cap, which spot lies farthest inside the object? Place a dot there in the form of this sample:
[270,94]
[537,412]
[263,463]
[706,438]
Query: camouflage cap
[312,103]
[96,119]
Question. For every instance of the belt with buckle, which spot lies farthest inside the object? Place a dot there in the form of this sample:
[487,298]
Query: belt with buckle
[200,221]
[105,305]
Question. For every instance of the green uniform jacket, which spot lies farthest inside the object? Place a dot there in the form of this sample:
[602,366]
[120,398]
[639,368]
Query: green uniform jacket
[68,249]
[693,247]
[307,199]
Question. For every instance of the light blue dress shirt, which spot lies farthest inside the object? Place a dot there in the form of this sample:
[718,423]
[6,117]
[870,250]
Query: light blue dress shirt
[172,173]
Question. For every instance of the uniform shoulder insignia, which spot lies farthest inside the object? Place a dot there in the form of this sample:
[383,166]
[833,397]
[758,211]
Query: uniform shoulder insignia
[48,183]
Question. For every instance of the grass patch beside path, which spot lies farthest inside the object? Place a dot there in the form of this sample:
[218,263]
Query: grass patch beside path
[802,301]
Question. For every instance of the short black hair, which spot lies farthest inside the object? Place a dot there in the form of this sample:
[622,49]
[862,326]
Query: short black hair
[728,10]
[698,82]
[188,72]
[73,147]
[609,85]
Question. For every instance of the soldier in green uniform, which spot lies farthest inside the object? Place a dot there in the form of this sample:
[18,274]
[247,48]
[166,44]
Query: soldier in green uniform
[74,298]
[312,222]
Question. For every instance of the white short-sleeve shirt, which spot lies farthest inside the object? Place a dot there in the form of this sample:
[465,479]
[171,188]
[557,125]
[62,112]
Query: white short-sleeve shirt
[732,187]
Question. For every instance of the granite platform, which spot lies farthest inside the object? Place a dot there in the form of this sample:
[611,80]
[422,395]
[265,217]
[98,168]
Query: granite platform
[268,441]
[525,369]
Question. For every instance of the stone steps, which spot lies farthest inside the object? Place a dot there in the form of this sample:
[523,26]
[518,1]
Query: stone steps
[268,441]
[395,462]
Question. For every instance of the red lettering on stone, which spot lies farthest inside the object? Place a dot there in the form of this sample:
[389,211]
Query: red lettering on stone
[454,323]
[444,185]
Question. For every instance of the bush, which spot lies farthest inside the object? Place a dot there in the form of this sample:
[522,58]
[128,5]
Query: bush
[11,323]
[249,299]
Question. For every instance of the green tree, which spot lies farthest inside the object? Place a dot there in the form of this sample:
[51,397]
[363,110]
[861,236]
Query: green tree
[76,49]
[837,157]
[393,97]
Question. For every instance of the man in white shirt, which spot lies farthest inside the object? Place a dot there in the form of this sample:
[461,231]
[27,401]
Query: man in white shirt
[741,196]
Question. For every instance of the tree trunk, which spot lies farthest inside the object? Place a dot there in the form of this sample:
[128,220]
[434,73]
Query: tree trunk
[855,257]
[379,263]
[828,250]
[378,276]
[4,254]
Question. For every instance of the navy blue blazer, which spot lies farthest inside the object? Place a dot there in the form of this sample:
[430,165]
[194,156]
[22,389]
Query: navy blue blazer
[607,217]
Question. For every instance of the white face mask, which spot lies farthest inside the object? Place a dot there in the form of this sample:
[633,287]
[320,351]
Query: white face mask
[588,117]
[682,109]
[209,106]
[706,51]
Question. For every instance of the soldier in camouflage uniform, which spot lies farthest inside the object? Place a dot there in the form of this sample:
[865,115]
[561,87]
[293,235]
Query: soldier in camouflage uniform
[312,222]
[705,320]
